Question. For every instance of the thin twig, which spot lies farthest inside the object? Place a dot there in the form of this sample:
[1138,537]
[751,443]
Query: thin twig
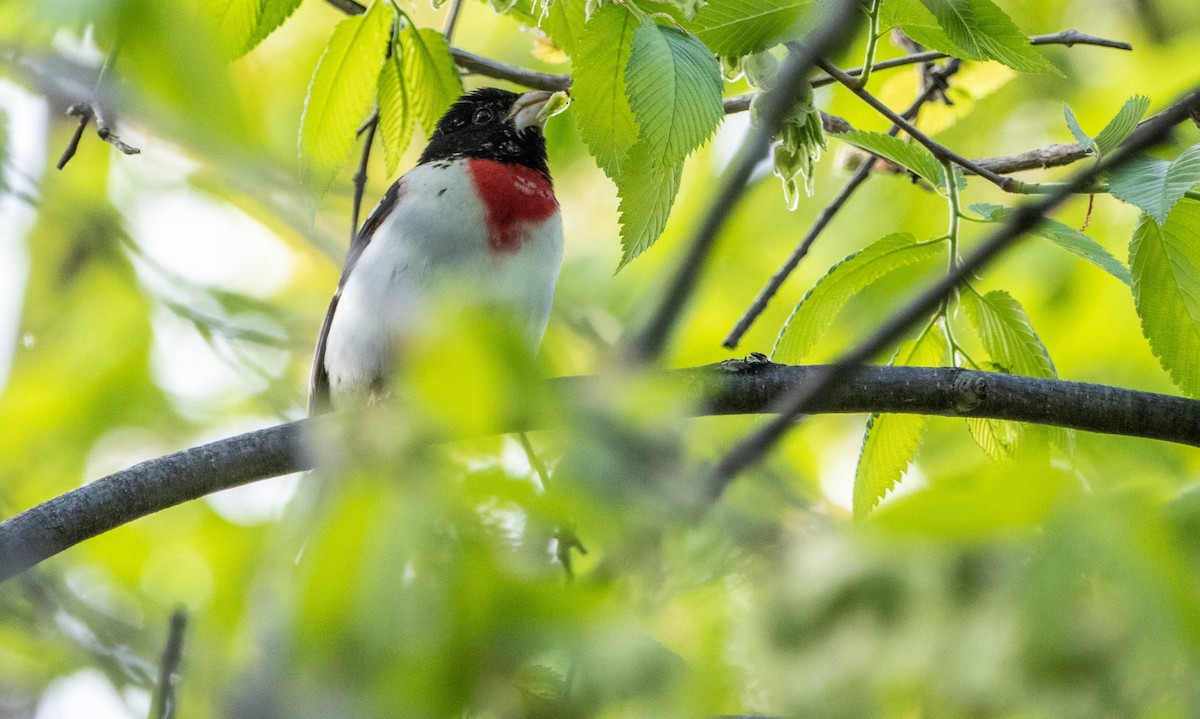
[89,109]
[1068,38]
[648,344]
[168,676]
[800,401]
[451,19]
[939,151]
[827,213]
[360,175]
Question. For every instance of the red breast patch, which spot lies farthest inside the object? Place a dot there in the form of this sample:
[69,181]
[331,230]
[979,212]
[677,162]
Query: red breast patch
[514,197]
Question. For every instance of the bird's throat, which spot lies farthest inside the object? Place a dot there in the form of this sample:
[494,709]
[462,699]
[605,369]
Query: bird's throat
[516,198]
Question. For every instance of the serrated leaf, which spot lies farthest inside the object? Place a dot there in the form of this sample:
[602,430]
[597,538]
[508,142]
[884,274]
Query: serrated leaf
[602,110]
[1007,334]
[743,27]
[429,73]
[819,307]
[272,15]
[891,440]
[674,88]
[1066,237]
[1124,123]
[234,22]
[984,32]
[918,23]
[1166,290]
[1014,348]
[1155,185]
[909,155]
[342,87]
[999,439]
[1077,132]
[395,113]
[647,189]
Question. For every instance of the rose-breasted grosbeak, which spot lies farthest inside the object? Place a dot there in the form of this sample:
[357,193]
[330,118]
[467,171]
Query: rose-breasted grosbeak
[477,215]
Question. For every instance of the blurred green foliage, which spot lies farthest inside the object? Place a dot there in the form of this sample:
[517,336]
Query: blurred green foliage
[172,297]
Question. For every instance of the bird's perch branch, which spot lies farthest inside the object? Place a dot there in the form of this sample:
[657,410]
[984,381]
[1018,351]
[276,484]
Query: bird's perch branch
[735,387]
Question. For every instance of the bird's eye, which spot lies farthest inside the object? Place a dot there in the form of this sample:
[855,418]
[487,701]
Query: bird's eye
[483,116]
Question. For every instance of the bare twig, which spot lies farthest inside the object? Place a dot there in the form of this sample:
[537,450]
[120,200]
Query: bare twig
[451,19]
[168,676]
[735,387]
[360,175]
[647,344]
[487,67]
[826,215]
[800,401]
[91,109]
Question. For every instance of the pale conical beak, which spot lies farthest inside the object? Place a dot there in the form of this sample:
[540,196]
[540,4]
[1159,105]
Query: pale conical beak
[525,111]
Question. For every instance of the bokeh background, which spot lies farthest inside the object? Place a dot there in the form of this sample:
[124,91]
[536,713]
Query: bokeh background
[154,302]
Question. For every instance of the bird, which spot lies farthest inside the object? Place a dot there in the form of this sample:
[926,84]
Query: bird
[477,218]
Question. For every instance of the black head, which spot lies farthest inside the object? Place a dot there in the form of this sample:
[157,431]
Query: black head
[482,125]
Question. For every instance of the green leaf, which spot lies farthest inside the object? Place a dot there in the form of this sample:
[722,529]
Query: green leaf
[1007,334]
[1156,185]
[647,189]
[272,15]
[891,440]
[602,110]
[744,27]
[909,155]
[342,87]
[429,73]
[1166,290]
[1124,123]
[1014,348]
[395,112]
[1066,237]
[1077,132]
[234,22]
[674,88]
[818,308]
[918,23]
[564,23]
[984,32]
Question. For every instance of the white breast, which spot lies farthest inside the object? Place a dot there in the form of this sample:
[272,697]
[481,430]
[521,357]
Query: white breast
[432,248]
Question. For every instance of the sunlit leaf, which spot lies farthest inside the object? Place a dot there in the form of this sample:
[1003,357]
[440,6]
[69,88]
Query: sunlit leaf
[819,307]
[234,21]
[395,113]
[891,440]
[430,75]
[1014,348]
[342,88]
[1122,124]
[1165,258]
[274,13]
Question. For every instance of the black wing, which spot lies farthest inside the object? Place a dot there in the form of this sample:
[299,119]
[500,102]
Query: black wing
[319,399]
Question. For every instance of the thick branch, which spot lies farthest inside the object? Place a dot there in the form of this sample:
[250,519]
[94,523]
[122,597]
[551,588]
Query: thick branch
[735,387]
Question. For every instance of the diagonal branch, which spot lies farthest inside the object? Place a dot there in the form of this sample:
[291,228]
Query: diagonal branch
[751,386]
